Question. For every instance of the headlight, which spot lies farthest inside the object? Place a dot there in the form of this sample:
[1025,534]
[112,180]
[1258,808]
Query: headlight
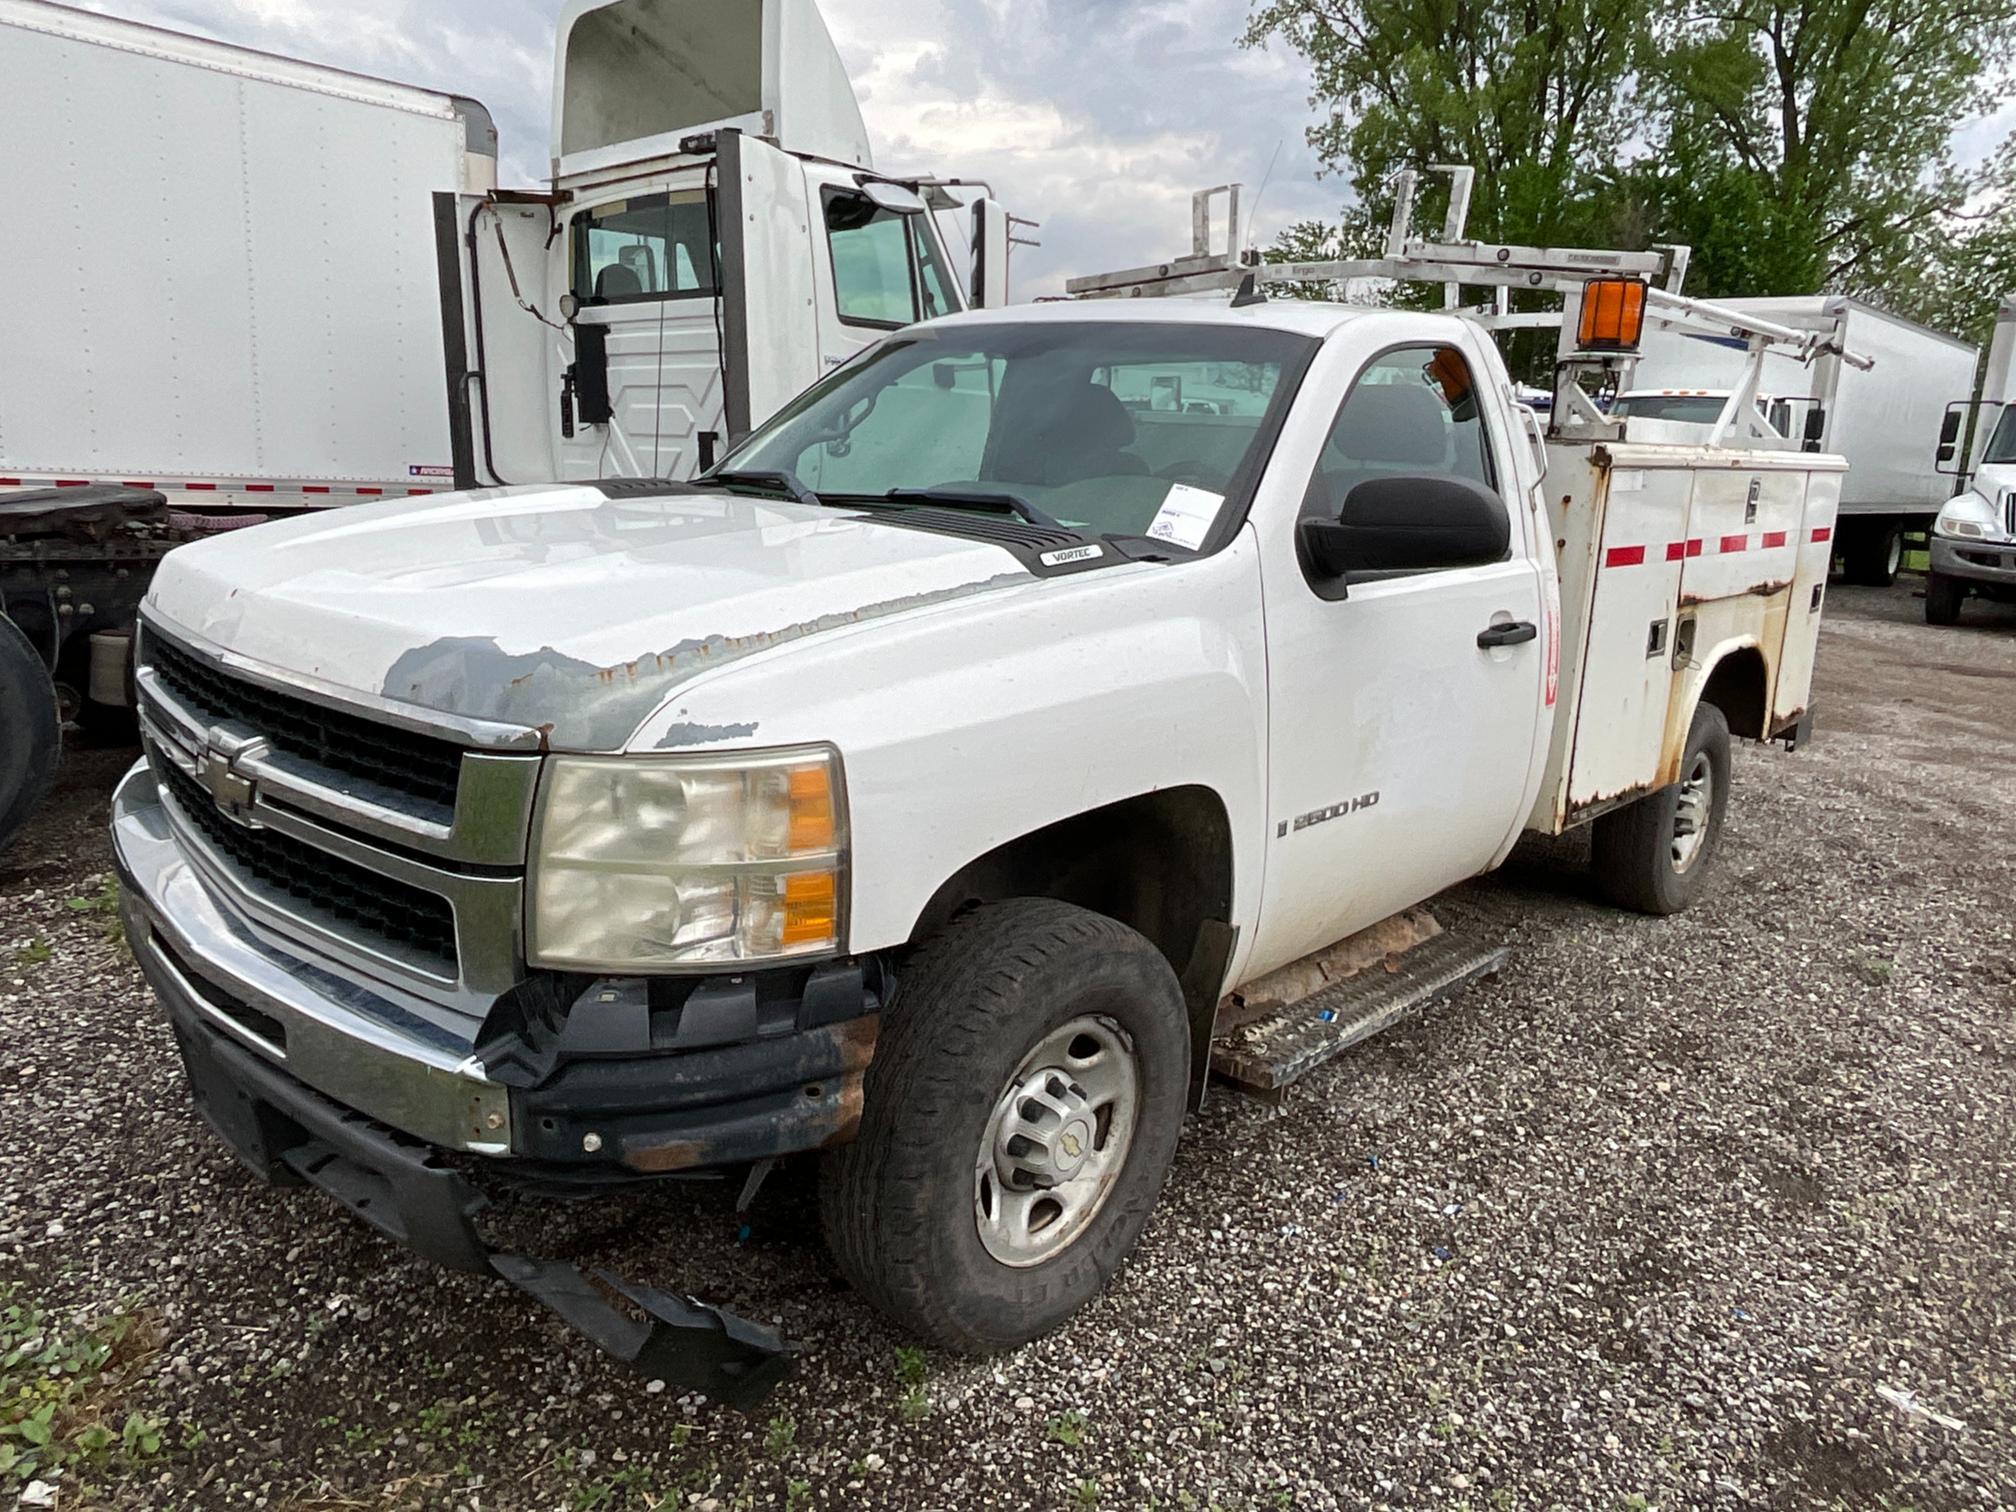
[644,862]
[1967,517]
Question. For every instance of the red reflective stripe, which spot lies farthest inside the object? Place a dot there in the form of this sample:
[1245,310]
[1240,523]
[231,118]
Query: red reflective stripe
[1824,533]
[258,488]
[1694,548]
[200,487]
[1731,544]
[10,482]
[135,483]
[1625,556]
[73,482]
[1774,539]
[314,488]
[1675,550]
[370,490]
[416,493]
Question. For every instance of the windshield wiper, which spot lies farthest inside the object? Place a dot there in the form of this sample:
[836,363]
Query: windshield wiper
[775,479]
[977,498]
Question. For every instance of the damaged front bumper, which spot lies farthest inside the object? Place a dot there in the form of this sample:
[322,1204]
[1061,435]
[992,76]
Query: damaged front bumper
[313,1074]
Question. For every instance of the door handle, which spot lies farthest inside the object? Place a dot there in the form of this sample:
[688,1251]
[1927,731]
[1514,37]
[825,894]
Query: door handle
[1499,636]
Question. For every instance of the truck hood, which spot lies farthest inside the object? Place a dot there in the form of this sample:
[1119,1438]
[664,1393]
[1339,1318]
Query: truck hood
[555,609]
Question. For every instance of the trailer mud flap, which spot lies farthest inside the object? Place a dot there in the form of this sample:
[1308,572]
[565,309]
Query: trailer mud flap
[285,1132]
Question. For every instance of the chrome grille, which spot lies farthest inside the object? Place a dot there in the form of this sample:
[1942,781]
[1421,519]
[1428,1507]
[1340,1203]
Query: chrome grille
[417,767]
[345,897]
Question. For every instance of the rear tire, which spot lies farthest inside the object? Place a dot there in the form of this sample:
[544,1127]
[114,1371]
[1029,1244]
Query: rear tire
[1655,856]
[1943,598]
[917,1209]
[1873,553]
[31,731]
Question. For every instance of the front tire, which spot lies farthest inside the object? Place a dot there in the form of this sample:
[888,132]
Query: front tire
[1017,1124]
[1943,597]
[1654,857]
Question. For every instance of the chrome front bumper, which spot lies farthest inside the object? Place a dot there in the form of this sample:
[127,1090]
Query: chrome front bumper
[406,1062]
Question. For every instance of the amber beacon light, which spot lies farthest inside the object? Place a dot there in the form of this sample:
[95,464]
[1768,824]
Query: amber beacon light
[1613,314]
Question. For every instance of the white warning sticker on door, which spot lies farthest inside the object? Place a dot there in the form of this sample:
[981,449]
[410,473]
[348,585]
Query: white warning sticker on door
[1186,516]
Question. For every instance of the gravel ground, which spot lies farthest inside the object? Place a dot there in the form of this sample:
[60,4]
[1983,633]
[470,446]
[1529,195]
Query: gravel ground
[1669,1214]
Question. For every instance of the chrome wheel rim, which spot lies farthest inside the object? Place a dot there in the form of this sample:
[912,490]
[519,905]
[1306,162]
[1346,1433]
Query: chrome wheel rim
[1692,813]
[1056,1141]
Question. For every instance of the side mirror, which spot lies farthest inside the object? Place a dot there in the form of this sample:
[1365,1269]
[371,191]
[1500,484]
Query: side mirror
[1415,524]
[896,198]
[991,235]
[1949,431]
[1947,451]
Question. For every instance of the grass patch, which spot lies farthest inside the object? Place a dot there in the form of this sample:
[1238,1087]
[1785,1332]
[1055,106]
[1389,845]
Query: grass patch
[62,1390]
[103,906]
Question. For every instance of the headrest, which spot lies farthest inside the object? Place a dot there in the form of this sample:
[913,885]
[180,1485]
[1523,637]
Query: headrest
[1394,425]
[617,282]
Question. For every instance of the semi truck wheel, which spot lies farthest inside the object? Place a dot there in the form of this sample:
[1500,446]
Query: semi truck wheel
[1017,1123]
[1943,597]
[1655,855]
[1873,554]
[31,733]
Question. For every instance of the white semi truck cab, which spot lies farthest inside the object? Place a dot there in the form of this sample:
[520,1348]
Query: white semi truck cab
[914,787]
[1973,542]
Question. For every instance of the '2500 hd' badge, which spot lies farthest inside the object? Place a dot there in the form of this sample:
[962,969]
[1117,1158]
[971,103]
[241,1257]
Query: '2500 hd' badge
[1325,815]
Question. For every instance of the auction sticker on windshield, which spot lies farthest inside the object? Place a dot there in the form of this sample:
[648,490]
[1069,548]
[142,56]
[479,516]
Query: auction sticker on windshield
[1186,516]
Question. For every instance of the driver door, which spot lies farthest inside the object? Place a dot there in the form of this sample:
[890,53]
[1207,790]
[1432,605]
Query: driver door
[1399,746]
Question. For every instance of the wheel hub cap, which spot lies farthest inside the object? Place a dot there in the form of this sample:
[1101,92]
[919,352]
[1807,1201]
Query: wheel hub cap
[1692,813]
[1056,1142]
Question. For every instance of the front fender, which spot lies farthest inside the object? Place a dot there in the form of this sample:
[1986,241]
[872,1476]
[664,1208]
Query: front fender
[965,725]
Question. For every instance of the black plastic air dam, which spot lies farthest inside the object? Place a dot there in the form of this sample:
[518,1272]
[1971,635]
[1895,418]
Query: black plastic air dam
[287,1134]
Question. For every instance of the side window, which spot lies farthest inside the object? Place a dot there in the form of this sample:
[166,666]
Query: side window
[652,247]
[872,282]
[1413,410]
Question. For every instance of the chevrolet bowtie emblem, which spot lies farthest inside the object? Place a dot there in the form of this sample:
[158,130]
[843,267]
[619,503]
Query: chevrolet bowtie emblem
[1071,1145]
[218,769]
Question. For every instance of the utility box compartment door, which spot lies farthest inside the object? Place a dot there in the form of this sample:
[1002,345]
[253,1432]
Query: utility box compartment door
[1627,656]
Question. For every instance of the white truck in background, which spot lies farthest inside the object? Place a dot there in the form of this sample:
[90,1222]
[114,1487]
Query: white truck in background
[1974,538]
[1887,420]
[255,285]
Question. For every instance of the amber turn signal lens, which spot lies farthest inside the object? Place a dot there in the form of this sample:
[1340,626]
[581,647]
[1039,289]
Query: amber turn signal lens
[811,828]
[1613,315]
[811,909]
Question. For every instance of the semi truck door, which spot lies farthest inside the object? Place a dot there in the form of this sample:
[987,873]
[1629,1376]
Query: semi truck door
[639,374]
[879,263]
[1403,708]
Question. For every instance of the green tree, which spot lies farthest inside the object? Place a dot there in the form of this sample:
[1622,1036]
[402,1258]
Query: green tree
[1805,144]
[1535,94]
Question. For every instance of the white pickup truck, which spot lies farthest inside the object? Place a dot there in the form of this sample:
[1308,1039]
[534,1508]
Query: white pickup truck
[916,785]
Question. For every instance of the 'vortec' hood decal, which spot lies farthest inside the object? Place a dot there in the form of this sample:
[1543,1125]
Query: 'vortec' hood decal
[554,609]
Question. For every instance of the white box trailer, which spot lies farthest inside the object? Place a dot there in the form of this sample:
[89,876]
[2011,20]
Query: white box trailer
[1887,420]
[226,279]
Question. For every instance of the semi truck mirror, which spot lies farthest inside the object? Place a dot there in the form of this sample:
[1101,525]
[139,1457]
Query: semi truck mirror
[1949,432]
[1816,429]
[894,198]
[1946,452]
[591,374]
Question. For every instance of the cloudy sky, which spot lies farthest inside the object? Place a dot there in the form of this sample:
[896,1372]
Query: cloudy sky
[1096,117]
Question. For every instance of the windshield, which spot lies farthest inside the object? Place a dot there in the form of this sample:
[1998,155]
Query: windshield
[1105,427]
[2002,445]
[1694,409]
